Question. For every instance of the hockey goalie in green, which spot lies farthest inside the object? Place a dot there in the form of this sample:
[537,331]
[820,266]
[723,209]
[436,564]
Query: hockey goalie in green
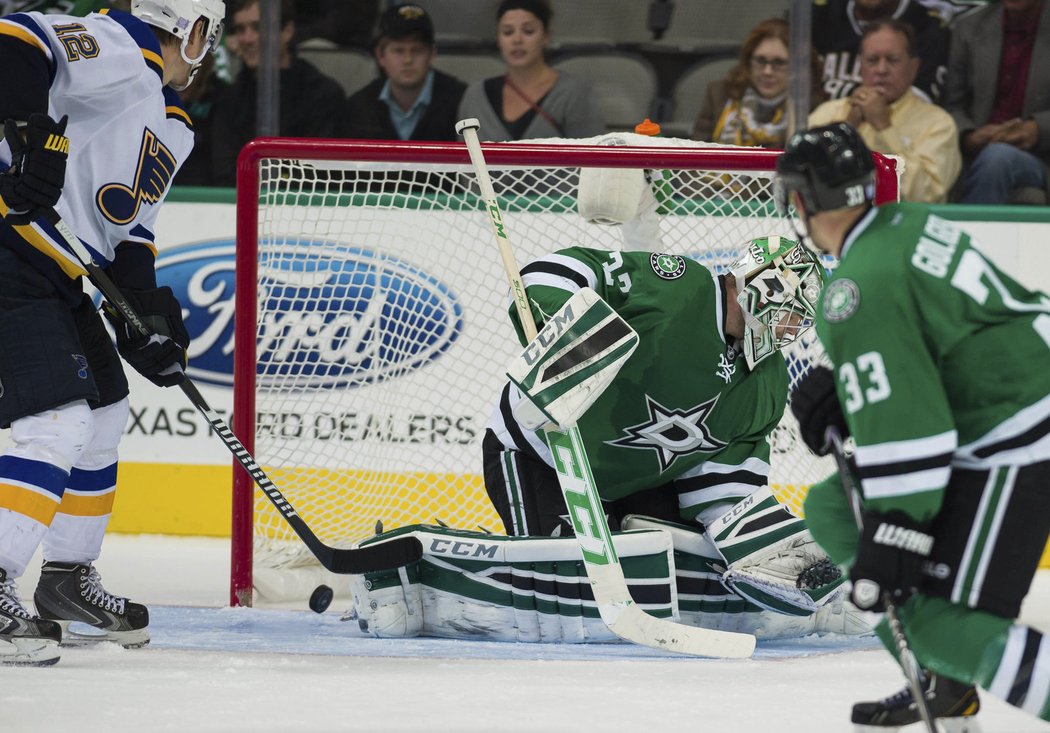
[678,440]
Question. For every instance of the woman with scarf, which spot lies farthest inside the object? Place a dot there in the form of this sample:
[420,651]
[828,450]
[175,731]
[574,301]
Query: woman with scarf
[749,106]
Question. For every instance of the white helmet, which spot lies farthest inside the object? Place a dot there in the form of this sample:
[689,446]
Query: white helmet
[778,282]
[177,18]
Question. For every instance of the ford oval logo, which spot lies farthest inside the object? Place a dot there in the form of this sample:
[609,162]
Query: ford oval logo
[333,315]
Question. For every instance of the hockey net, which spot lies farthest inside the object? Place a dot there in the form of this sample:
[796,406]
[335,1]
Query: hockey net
[372,334]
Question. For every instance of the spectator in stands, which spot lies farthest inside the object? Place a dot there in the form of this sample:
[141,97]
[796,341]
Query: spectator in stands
[199,100]
[748,106]
[412,101]
[310,102]
[892,118]
[837,27]
[532,99]
[998,91]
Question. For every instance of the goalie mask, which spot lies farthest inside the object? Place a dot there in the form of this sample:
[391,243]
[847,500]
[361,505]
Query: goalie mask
[778,282]
[178,17]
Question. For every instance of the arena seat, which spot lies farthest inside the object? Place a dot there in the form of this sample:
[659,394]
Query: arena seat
[688,94]
[624,85]
[352,68]
[470,67]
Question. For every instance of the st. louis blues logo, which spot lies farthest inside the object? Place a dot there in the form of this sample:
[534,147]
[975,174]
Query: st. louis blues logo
[119,202]
[672,433]
[82,365]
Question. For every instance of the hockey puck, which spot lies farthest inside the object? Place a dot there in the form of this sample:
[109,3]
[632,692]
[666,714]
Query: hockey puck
[321,599]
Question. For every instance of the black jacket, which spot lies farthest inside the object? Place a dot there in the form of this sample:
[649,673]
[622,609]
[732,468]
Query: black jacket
[310,106]
[368,118]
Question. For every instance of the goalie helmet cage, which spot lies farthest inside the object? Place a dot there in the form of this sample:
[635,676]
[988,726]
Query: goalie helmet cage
[372,337]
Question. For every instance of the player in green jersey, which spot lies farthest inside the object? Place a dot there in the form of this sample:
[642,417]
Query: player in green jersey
[677,435]
[686,407]
[940,376]
[681,433]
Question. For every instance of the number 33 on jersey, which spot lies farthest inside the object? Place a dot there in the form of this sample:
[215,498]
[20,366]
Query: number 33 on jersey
[912,313]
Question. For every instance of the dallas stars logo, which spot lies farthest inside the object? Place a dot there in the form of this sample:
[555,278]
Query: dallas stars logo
[672,433]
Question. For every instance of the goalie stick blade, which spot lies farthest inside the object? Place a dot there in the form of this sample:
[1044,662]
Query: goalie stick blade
[629,622]
[634,624]
[387,555]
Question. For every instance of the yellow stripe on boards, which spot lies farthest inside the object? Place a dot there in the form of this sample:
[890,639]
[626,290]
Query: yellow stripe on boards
[169,498]
[178,499]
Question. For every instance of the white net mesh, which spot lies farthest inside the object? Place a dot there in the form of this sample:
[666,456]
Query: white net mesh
[383,335]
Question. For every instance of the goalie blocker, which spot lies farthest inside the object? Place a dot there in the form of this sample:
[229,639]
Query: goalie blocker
[572,360]
[474,585]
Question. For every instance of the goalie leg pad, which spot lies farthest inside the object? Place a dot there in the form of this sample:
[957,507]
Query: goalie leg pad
[471,585]
[389,604]
[772,560]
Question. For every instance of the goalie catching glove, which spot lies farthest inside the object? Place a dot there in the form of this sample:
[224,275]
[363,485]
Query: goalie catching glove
[893,547]
[38,167]
[161,356]
[771,558]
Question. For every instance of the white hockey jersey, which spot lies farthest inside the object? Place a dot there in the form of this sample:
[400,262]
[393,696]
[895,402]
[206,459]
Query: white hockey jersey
[128,133]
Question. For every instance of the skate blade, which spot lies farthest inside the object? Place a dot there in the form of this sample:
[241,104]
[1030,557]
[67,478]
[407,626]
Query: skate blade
[29,652]
[75,633]
[943,725]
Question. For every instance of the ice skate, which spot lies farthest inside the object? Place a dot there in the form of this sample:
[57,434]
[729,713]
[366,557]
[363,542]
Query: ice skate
[69,593]
[952,704]
[25,639]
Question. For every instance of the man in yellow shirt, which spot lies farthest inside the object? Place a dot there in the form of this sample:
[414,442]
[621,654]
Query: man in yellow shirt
[893,119]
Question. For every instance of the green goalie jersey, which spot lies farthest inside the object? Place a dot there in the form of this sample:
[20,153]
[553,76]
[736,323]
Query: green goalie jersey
[683,406]
[943,361]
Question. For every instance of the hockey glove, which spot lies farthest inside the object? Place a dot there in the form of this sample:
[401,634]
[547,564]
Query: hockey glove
[816,407]
[893,547]
[160,357]
[38,167]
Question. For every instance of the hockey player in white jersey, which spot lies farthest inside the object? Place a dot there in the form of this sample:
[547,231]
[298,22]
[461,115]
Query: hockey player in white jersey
[95,132]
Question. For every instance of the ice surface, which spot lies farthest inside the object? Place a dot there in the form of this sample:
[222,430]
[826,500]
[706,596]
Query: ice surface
[212,668]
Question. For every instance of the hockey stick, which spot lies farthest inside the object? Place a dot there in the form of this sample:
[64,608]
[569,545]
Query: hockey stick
[615,605]
[909,663]
[381,556]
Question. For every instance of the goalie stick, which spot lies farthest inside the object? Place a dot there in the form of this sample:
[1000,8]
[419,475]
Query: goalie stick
[615,605]
[909,663]
[382,556]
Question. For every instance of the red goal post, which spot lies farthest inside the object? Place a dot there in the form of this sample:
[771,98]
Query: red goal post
[371,333]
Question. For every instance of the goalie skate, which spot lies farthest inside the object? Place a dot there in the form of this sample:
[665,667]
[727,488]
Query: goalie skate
[952,704]
[25,640]
[69,593]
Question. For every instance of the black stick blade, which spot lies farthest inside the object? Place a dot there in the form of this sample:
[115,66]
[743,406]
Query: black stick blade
[386,555]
